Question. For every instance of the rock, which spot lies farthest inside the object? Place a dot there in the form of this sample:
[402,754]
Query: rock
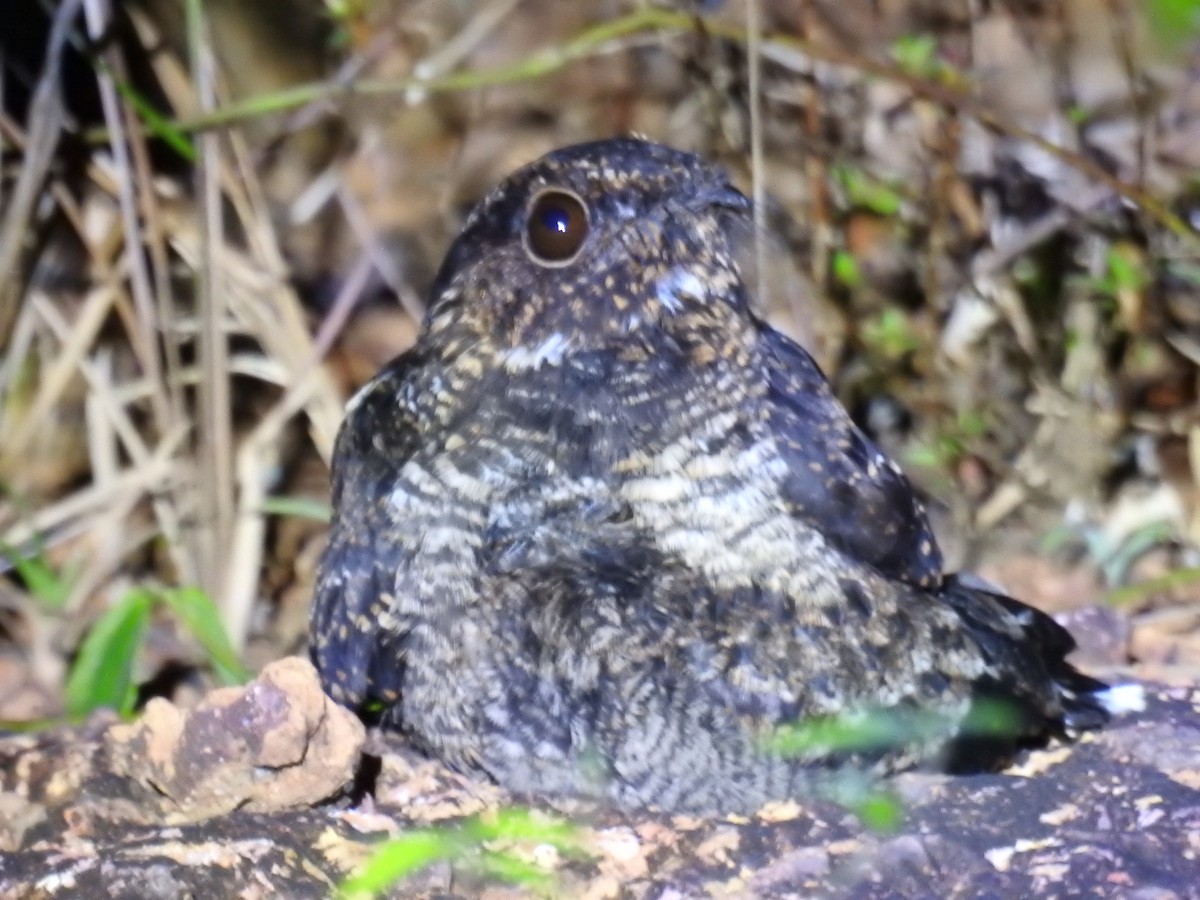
[275,744]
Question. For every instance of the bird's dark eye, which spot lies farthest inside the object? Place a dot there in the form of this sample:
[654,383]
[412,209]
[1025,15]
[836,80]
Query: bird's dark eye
[556,227]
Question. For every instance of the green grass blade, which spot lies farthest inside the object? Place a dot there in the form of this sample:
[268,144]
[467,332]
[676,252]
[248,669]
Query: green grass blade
[521,824]
[51,588]
[879,810]
[398,859]
[156,123]
[102,674]
[195,609]
[1174,22]
[297,507]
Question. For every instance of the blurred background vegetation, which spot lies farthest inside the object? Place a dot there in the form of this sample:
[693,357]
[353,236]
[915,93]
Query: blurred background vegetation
[218,218]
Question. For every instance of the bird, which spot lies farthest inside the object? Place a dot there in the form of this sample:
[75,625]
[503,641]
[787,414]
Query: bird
[604,533]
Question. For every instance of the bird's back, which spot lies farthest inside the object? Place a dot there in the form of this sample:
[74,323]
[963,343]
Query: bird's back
[602,531]
[643,610]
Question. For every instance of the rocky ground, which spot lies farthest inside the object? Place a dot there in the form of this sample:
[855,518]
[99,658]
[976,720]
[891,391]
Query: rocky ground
[270,790]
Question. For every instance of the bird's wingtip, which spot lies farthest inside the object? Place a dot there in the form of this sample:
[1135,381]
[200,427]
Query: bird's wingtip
[1122,698]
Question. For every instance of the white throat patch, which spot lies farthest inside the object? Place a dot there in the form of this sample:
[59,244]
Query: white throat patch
[549,352]
[677,287]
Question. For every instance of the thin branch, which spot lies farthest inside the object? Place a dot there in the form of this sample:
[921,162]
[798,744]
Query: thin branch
[47,117]
[215,435]
[145,344]
[758,187]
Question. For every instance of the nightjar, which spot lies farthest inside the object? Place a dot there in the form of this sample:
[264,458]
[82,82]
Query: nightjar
[602,531]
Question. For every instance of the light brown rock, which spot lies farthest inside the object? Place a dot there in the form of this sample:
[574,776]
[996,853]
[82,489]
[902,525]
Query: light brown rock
[277,743]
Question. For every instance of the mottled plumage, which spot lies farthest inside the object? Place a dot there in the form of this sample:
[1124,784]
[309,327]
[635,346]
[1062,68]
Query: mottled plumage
[602,529]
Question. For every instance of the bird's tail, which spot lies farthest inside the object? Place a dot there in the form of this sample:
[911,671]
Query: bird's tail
[1026,651]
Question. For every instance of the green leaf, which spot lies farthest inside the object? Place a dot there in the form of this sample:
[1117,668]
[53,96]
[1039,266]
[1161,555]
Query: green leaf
[524,825]
[1174,580]
[407,854]
[879,811]
[845,269]
[297,507]
[195,609]
[1078,115]
[891,334]
[916,54]
[156,123]
[1174,22]
[1126,271]
[992,718]
[31,726]
[858,730]
[971,423]
[51,588]
[868,193]
[925,456]
[847,732]
[398,859]
[875,728]
[877,808]
[102,674]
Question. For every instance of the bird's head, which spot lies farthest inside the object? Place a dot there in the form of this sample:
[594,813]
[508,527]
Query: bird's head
[606,245]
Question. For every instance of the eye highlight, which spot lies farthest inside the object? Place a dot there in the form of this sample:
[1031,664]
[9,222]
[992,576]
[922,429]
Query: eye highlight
[556,227]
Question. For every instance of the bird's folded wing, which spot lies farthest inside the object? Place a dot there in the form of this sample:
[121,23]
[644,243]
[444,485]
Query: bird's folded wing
[349,645]
[838,481]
